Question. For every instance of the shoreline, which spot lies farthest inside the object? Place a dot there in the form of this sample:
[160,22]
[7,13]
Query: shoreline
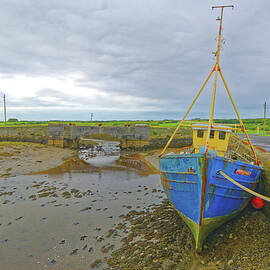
[21,158]
[25,158]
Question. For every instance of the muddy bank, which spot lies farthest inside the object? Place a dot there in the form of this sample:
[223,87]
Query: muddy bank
[159,239]
[18,158]
[143,162]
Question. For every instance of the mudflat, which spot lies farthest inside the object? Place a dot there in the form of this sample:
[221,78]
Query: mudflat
[18,158]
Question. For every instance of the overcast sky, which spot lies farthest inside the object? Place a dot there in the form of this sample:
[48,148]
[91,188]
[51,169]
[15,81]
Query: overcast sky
[135,59]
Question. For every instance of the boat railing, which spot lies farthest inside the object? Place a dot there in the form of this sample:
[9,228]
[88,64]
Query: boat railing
[239,150]
[245,157]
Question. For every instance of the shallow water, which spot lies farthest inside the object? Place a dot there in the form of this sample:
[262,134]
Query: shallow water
[103,154]
[60,220]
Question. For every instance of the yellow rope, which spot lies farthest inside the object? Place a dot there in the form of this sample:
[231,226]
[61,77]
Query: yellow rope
[239,118]
[180,124]
[245,188]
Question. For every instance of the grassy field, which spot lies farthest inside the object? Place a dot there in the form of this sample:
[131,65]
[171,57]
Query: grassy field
[252,125]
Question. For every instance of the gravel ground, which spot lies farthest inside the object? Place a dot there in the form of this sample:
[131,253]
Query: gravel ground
[159,239]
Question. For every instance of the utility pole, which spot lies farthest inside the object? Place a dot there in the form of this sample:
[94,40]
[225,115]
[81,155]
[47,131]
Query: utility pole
[264,118]
[5,111]
[92,117]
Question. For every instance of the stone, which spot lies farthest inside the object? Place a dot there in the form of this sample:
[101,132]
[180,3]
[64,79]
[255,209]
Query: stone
[168,265]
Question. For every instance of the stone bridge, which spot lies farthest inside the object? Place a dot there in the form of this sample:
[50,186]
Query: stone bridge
[63,135]
[130,136]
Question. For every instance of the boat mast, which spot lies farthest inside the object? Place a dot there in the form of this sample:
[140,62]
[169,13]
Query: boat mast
[216,68]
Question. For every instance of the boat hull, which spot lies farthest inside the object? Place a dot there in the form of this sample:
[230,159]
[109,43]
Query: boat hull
[203,198]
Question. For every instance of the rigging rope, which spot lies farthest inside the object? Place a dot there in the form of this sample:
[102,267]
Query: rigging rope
[245,188]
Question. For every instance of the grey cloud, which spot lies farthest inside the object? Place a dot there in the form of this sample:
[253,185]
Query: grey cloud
[157,50]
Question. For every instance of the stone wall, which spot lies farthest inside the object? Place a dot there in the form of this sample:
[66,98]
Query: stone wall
[26,134]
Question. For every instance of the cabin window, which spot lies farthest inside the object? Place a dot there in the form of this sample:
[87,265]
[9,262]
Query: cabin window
[212,134]
[200,133]
[222,135]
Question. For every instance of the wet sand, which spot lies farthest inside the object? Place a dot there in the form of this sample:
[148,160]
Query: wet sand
[69,217]
[18,158]
[78,216]
[71,220]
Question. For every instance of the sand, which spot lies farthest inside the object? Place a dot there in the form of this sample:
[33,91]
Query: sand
[18,158]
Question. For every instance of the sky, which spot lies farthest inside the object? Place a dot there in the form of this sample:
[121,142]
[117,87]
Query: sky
[119,59]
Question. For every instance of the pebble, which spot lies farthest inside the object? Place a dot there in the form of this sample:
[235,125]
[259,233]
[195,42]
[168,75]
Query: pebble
[159,237]
[74,251]
[75,223]
[99,238]
[83,237]
[53,261]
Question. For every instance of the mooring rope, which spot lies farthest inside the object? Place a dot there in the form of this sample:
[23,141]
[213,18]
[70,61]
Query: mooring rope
[245,188]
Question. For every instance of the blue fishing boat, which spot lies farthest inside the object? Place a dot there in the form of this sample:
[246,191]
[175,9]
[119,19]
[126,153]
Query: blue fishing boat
[209,182]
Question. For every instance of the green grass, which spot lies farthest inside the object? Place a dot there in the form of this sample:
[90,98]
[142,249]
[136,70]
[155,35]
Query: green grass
[250,124]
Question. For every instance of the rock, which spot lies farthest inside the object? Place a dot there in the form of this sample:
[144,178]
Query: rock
[75,223]
[74,251]
[96,263]
[83,237]
[86,209]
[99,238]
[53,261]
[66,195]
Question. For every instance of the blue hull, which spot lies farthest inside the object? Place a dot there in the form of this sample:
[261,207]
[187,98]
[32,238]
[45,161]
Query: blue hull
[204,198]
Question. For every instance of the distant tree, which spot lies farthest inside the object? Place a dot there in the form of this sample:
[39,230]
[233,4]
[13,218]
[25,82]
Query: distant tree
[13,120]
